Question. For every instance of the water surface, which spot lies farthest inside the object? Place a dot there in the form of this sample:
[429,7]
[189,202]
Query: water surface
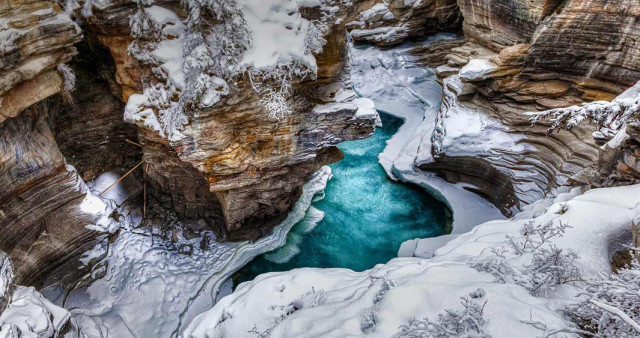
[366,215]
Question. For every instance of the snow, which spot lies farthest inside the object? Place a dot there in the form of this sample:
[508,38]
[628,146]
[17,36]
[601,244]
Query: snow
[366,108]
[278,33]
[378,10]
[381,33]
[134,112]
[30,315]
[148,288]
[398,87]
[304,302]
[477,70]
[6,279]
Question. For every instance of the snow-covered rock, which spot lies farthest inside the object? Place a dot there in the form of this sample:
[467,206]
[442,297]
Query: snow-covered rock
[25,313]
[376,302]
[143,284]
[477,69]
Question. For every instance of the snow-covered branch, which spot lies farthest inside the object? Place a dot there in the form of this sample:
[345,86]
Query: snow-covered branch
[549,265]
[612,115]
[611,304]
[468,322]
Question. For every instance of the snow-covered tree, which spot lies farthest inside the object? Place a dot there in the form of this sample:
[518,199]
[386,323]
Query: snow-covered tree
[145,31]
[217,37]
[548,266]
[214,39]
[468,322]
[612,115]
[611,304]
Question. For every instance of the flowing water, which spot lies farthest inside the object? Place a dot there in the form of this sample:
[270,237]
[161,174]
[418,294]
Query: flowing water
[366,215]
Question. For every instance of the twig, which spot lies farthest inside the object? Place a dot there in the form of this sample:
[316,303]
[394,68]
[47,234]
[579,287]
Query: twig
[134,143]
[121,178]
[144,191]
[631,247]
[616,312]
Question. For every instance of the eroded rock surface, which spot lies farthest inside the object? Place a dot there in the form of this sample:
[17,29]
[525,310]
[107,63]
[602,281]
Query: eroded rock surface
[42,216]
[389,23]
[35,36]
[236,167]
[526,57]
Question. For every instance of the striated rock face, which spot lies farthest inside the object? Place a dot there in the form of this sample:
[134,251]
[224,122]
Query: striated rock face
[500,23]
[527,57]
[594,39]
[236,167]
[583,41]
[87,122]
[392,22]
[35,36]
[46,216]
[492,145]
[42,216]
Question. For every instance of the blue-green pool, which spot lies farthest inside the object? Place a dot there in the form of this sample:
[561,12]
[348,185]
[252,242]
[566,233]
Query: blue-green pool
[366,216]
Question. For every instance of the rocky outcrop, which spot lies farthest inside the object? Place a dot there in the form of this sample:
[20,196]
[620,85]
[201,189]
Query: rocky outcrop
[46,216]
[238,168]
[392,22]
[35,36]
[500,24]
[526,57]
[42,216]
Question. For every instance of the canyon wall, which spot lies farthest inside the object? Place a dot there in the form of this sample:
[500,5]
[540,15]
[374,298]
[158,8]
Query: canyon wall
[237,168]
[389,23]
[237,171]
[527,57]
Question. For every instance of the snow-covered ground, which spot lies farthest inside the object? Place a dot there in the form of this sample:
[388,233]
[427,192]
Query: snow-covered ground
[400,88]
[147,286]
[377,302]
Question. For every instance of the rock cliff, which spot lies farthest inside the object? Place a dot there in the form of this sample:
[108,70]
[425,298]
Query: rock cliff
[236,167]
[237,170]
[526,57]
[388,23]
[35,37]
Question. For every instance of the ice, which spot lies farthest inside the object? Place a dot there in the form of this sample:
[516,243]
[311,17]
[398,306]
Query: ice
[311,220]
[147,287]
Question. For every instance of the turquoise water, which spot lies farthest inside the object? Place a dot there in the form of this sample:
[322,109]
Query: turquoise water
[366,216]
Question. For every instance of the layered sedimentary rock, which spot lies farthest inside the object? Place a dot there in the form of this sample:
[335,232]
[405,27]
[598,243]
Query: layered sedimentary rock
[389,23]
[527,57]
[46,216]
[42,216]
[35,36]
[237,168]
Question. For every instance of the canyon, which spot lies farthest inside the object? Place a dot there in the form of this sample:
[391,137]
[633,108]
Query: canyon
[90,168]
